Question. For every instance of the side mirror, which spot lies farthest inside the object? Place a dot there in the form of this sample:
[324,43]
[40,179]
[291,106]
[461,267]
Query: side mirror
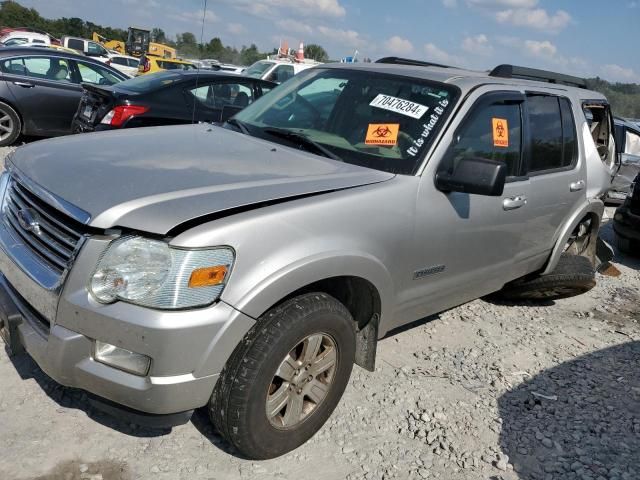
[474,175]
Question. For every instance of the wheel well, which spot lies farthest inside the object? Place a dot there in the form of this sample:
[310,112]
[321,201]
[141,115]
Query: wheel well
[362,299]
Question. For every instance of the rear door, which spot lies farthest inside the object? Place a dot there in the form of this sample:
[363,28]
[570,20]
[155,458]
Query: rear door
[628,142]
[558,181]
[45,92]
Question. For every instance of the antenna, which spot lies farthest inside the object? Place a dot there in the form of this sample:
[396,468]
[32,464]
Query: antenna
[195,100]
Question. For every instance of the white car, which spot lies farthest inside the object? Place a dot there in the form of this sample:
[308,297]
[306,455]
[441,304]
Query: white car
[126,64]
[276,70]
[16,38]
[229,68]
[88,47]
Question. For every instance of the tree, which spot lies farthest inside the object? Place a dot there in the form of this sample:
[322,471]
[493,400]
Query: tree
[316,52]
[158,35]
[251,54]
[188,38]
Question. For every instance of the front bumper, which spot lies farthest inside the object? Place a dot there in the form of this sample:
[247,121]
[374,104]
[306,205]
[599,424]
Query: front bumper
[67,357]
[188,349]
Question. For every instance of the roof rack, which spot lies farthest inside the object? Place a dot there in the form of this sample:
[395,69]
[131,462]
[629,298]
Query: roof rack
[409,61]
[525,73]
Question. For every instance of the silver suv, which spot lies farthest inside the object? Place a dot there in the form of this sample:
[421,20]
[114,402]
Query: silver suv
[247,267]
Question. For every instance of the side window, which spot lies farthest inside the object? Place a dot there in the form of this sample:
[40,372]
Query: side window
[553,134]
[569,134]
[95,49]
[133,63]
[221,94]
[44,68]
[119,61]
[493,132]
[35,40]
[281,73]
[96,74]
[75,44]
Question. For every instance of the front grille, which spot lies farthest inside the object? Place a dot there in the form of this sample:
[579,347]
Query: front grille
[52,237]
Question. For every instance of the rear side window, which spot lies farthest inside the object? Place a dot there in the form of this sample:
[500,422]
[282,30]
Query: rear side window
[492,132]
[553,134]
[96,74]
[75,44]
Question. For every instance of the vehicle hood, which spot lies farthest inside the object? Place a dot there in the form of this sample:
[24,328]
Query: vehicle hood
[154,179]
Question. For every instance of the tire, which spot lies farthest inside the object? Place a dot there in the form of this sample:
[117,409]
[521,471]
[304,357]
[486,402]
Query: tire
[627,246]
[10,125]
[573,276]
[238,406]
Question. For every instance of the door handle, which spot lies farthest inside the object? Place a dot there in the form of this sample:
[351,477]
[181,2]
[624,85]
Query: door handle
[512,203]
[576,186]
[24,84]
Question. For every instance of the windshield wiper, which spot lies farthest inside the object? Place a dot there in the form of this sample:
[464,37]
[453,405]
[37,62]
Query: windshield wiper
[239,125]
[302,140]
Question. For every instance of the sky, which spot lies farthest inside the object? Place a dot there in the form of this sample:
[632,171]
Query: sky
[581,37]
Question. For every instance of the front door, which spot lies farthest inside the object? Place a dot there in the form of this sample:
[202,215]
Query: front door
[44,92]
[468,245]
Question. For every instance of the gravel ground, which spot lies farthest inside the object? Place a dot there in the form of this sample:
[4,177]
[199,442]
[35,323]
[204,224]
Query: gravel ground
[482,391]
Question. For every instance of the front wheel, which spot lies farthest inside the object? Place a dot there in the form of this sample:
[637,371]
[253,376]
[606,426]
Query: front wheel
[286,377]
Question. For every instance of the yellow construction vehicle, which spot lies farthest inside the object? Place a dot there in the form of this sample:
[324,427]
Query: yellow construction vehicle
[137,44]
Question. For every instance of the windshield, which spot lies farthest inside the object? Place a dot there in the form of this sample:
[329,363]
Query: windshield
[257,69]
[151,81]
[380,121]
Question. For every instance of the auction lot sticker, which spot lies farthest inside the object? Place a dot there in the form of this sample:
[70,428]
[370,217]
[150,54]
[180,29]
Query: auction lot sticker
[398,105]
[385,134]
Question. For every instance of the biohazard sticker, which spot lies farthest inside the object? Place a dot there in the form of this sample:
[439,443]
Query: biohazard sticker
[385,134]
[500,132]
[399,105]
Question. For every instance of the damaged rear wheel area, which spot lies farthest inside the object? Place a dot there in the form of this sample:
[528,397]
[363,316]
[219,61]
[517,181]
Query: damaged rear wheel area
[574,275]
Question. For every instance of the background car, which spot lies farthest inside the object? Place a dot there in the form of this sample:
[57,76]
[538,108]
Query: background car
[34,78]
[626,221]
[152,63]
[628,146]
[167,98]
[125,63]
[88,47]
[276,70]
[23,38]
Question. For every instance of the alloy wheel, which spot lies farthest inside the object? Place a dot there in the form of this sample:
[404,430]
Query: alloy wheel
[302,381]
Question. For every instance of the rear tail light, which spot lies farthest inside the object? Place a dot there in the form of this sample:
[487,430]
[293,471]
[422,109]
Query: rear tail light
[122,113]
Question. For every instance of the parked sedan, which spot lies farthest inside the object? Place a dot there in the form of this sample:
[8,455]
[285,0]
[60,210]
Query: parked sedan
[167,98]
[40,90]
[126,64]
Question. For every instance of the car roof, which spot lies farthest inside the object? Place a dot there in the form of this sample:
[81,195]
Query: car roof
[465,79]
[213,74]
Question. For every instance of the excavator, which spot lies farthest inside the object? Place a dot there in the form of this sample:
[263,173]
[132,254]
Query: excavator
[138,43]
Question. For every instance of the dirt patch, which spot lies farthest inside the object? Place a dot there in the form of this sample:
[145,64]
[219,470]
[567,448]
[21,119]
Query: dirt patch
[78,470]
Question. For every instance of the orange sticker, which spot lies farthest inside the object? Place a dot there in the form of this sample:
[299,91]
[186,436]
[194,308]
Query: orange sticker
[500,132]
[382,134]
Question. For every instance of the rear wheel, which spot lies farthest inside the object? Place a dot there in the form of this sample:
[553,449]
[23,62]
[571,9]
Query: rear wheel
[286,377]
[10,125]
[573,276]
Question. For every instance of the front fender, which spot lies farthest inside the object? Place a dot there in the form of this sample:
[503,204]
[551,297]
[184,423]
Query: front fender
[592,206]
[267,290]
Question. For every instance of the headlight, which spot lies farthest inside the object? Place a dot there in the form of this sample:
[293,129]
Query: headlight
[152,274]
